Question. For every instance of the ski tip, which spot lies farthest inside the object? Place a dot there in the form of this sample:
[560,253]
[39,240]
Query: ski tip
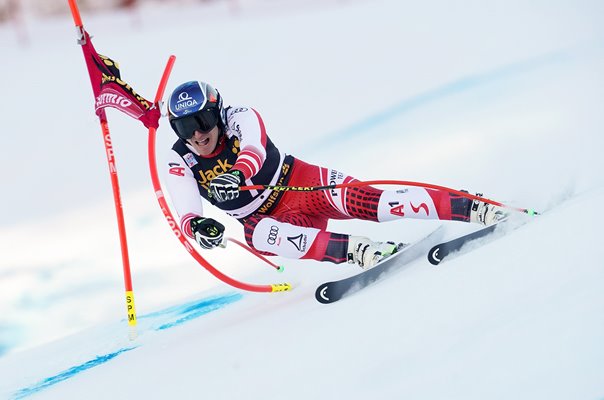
[433,256]
[322,294]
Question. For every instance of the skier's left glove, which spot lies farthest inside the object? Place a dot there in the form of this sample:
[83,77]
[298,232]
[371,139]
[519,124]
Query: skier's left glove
[207,231]
[226,186]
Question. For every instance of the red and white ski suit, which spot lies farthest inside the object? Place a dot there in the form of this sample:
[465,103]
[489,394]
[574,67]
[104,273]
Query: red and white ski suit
[291,224]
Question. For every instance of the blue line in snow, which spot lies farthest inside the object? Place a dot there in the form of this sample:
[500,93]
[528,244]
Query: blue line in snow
[53,380]
[182,313]
[196,309]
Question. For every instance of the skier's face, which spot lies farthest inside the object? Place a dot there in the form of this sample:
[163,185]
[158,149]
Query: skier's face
[205,143]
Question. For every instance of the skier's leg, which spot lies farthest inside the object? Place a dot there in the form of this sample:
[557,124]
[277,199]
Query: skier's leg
[371,204]
[368,203]
[420,203]
[294,235]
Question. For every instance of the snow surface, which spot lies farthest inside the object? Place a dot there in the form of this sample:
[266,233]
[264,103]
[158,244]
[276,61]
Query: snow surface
[503,97]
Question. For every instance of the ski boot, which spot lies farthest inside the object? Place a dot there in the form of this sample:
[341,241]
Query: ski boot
[485,213]
[367,253]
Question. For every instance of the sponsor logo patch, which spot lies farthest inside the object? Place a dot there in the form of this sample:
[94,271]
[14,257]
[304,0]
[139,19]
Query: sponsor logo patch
[190,159]
[185,101]
[422,206]
[398,210]
[300,242]
[273,235]
[176,169]
[209,174]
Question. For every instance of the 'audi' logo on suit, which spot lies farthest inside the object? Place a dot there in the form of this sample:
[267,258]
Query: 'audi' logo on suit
[272,235]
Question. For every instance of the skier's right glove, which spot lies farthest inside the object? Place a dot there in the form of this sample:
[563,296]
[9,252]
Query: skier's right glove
[225,186]
[208,232]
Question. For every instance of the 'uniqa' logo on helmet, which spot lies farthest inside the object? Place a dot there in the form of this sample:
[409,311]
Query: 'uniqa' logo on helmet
[187,99]
[184,96]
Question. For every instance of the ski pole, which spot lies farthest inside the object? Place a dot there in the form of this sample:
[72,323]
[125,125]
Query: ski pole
[386,182]
[279,268]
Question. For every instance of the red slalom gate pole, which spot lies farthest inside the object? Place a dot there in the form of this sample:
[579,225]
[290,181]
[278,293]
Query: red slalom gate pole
[278,287]
[75,13]
[130,307]
[387,182]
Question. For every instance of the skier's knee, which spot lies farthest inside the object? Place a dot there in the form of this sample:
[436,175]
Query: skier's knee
[282,238]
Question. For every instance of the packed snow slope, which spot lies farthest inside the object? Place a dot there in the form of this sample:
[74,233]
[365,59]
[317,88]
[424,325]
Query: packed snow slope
[505,98]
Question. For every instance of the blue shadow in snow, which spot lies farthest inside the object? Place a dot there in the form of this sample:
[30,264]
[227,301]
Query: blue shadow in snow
[171,317]
[450,89]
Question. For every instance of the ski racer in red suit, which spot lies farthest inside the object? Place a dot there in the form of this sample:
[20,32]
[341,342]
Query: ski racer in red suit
[221,148]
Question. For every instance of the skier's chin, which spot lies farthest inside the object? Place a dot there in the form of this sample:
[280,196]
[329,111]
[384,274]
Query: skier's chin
[205,143]
[204,150]
[203,146]
[202,142]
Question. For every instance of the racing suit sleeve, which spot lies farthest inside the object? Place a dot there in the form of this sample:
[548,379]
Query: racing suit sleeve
[248,126]
[183,190]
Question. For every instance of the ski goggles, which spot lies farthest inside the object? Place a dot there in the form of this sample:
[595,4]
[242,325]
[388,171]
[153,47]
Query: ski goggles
[203,121]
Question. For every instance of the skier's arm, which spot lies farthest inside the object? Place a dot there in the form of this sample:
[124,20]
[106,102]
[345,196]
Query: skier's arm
[249,127]
[184,193]
[182,186]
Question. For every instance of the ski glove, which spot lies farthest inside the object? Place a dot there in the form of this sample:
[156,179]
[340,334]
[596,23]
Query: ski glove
[226,186]
[208,232]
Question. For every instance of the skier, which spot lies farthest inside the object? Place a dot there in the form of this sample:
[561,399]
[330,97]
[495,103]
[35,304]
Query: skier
[221,148]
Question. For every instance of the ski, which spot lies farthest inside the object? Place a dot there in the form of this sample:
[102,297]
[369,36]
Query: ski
[330,292]
[442,250]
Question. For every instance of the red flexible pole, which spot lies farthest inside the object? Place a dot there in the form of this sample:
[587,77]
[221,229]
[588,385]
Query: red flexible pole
[387,182]
[168,214]
[75,12]
[118,204]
